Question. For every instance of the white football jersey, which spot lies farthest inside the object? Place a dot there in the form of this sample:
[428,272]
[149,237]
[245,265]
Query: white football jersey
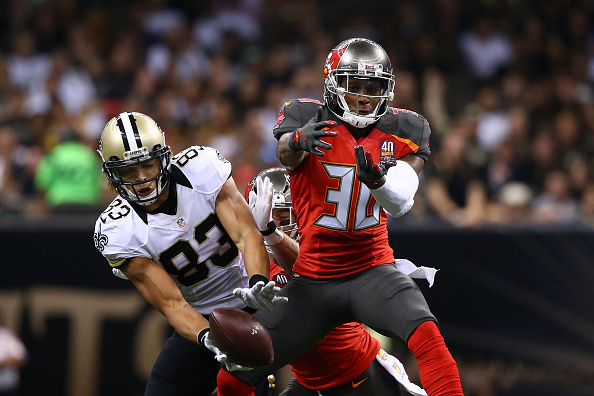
[192,245]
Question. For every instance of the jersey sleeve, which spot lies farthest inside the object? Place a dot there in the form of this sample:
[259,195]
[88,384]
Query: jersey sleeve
[424,148]
[410,128]
[205,167]
[118,237]
[295,114]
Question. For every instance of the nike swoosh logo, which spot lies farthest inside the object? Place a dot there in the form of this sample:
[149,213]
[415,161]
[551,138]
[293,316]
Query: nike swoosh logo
[356,384]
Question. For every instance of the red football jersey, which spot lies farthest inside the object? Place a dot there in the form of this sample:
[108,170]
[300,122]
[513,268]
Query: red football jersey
[336,360]
[343,229]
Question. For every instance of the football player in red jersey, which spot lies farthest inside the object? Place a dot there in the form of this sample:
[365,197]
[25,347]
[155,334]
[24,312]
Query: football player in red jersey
[352,161]
[347,361]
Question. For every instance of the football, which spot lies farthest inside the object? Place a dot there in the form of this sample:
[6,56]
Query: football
[241,337]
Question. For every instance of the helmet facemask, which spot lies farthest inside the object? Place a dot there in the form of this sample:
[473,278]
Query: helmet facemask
[128,190]
[288,224]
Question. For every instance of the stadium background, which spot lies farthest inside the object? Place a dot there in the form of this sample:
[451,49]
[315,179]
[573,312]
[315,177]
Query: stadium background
[506,203]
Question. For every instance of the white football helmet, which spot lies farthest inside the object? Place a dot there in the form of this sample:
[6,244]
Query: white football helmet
[129,139]
[359,59]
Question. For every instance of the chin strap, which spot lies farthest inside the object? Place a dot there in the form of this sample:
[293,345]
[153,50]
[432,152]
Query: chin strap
[353,119]
[357,121]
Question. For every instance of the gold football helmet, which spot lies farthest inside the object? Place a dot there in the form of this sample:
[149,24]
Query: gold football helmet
[129,139]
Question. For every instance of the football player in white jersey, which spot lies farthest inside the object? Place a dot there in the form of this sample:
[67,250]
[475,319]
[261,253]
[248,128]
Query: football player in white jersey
[184,235]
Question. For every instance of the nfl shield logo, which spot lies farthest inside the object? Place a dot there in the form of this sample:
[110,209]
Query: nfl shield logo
[181,222]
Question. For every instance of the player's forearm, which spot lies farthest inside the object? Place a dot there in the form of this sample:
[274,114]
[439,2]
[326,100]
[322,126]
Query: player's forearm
[186,321]
[285,254]
[254,255]
[159,290]
[396,195]
[287,157]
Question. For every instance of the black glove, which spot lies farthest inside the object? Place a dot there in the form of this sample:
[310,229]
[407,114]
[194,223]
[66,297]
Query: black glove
[369,172]
[307,138]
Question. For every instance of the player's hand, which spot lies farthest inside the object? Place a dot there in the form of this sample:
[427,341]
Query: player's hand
[261,203]
[260,296]
[369,172]
[119,273]
[221,357]
[307,138]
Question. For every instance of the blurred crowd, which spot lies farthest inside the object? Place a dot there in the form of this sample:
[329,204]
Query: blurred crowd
[507,87]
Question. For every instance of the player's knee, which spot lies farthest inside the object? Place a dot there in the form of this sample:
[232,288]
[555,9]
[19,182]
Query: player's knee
[425,337]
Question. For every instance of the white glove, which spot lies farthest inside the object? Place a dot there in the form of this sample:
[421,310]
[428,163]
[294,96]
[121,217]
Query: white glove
[410,269]
[396,370]
[220,356]
[261,203]
[261,297]
[119,273]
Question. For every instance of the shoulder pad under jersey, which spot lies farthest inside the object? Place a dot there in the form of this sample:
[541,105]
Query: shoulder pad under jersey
[119,233]
[204,167]
[296,113]
[407,124]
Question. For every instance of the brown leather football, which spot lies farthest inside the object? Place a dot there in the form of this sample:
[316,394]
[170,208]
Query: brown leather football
[241,337]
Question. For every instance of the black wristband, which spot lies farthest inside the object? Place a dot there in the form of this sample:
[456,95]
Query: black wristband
[257,278]
[201,335]
[271,228]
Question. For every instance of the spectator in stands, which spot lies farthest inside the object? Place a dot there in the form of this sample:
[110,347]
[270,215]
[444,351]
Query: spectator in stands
[9,189]
[13,355]
[587,205]
[486,50]
[555,204]
[454,189]
[493,124]
[70,176]
[179,60]
[512,205]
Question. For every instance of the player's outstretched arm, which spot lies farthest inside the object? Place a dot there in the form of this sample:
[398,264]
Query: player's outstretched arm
[284,249]
[236,216]
[285,253]
[161,292]
[157,287]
